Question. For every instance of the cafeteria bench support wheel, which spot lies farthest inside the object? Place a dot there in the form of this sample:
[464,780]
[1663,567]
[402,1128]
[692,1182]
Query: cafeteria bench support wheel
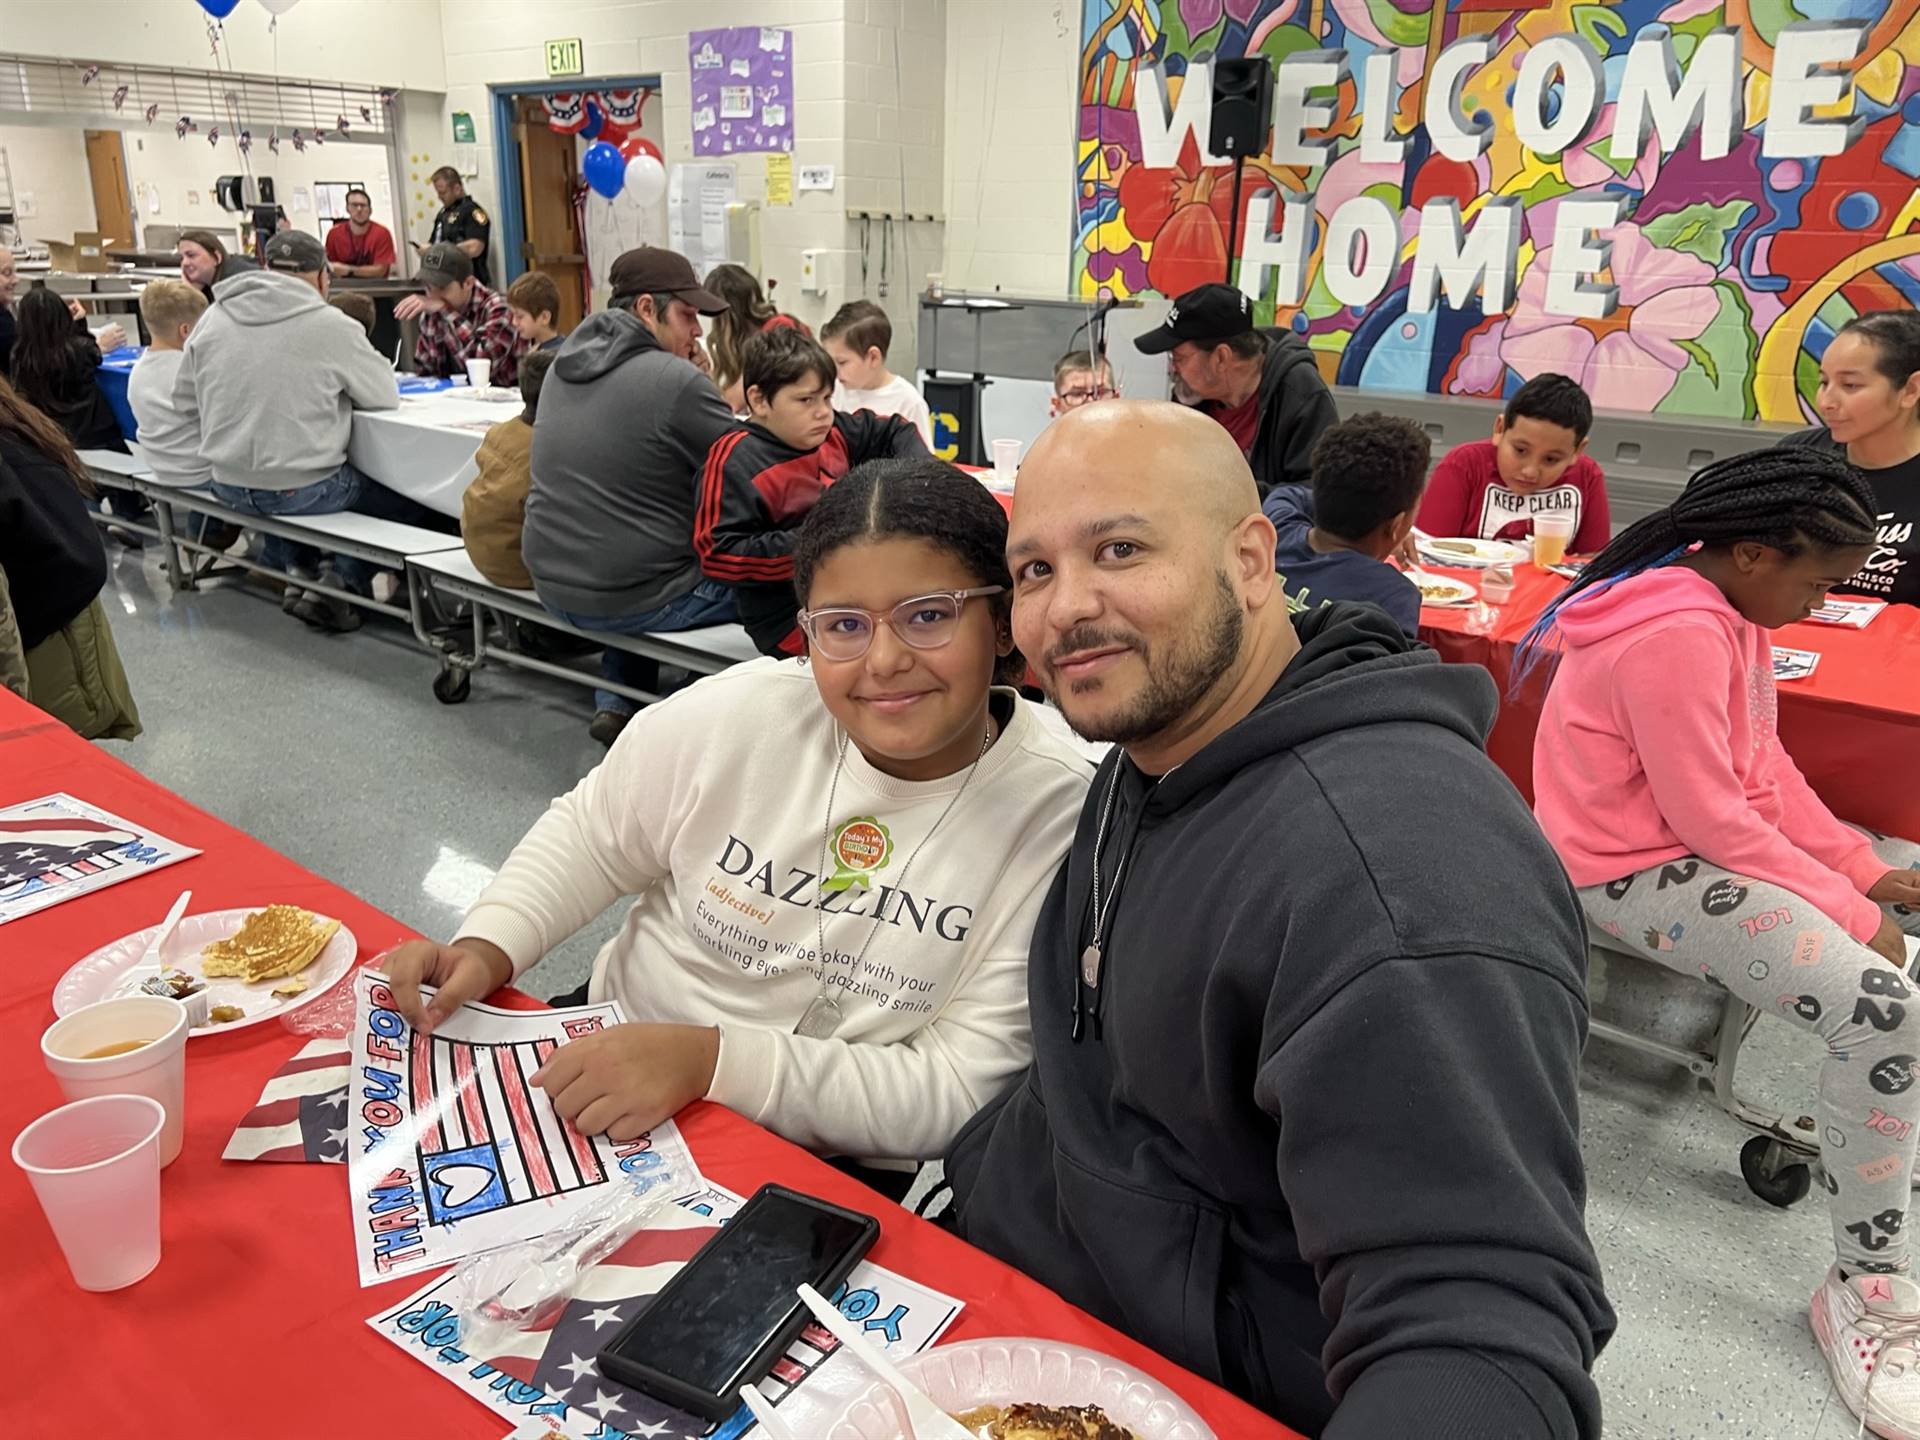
[453,684]
[1772,1171]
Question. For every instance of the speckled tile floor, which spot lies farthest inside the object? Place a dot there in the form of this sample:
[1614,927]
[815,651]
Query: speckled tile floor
[334,751]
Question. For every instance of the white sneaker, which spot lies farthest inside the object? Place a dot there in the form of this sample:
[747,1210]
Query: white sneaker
[1869,1330]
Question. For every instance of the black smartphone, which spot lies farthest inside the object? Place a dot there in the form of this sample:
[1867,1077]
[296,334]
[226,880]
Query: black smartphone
[726,1318]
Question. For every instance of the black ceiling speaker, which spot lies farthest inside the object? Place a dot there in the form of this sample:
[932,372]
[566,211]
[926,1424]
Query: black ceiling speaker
[1242,106]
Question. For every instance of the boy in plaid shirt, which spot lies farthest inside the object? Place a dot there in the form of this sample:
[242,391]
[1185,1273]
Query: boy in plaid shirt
[460,319]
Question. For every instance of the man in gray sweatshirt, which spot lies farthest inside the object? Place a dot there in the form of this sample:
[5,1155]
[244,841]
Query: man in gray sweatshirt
[274,375]
[625,425]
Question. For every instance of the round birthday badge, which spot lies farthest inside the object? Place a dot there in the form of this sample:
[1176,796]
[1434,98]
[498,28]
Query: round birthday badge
[860,847]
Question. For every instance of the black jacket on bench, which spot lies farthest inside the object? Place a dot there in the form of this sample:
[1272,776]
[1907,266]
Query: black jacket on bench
[1318,1137]
[49,545]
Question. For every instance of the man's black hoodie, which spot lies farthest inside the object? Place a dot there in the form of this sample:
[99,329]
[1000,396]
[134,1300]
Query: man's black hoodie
[1296,408]
[1318,1136]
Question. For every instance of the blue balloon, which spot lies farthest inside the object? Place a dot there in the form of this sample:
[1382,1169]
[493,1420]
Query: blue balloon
[605,168]
[596,122]
[219,9]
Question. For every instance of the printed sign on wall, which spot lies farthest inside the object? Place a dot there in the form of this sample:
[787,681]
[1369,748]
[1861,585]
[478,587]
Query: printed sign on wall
[1675,202]
[742,89]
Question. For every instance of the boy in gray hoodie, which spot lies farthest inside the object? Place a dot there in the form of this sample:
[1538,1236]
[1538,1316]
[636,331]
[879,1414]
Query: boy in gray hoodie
[274,375]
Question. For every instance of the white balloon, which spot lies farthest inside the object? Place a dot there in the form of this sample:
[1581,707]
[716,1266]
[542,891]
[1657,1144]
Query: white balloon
[646,179]
[278,7]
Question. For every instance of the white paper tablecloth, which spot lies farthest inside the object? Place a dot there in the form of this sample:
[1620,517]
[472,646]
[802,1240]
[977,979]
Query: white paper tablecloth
[425,449]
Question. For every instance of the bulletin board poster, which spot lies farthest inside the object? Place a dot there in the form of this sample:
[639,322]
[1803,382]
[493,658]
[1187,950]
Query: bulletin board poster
[1675,202]
[742,89]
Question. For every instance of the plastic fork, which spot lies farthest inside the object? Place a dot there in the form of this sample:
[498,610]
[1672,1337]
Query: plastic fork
[928,1420]
[763,1416]
[150,963]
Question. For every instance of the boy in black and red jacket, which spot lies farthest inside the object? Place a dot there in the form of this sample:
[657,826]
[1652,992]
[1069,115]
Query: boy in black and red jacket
[762,479]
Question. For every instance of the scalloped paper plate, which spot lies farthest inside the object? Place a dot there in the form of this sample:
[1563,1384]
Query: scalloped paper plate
[972,1373]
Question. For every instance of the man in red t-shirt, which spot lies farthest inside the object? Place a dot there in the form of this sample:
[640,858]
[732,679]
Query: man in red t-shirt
[1535,464]
[360,246]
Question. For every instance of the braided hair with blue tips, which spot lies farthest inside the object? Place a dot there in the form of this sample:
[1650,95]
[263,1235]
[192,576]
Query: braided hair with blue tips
[1790,497]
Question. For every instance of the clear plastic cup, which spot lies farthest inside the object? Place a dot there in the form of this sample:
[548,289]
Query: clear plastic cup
[479,373]
[95,1168]
[157,1068]
[1550,536]
[1006,460]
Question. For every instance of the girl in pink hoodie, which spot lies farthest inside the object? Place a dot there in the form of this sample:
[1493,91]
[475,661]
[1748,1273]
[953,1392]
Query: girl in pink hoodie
[1692,836]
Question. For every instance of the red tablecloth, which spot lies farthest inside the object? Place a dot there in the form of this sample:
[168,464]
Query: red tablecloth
[1853,726]
[254,1324]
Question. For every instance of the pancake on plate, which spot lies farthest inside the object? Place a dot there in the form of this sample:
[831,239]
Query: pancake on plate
[1042,1422]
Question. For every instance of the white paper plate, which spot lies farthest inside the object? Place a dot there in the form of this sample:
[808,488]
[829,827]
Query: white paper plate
[1464,552]
[100,975]
[1452,591]
[1043,1372]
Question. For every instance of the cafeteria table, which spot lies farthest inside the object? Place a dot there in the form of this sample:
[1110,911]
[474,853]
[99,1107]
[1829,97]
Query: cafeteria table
[254,1322]
[1853,726]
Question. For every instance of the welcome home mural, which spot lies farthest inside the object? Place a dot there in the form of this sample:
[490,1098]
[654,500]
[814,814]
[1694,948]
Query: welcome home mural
[1674,201]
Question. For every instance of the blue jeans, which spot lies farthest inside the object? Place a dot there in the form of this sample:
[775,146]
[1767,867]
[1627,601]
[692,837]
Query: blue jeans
[708,603]
[345,489]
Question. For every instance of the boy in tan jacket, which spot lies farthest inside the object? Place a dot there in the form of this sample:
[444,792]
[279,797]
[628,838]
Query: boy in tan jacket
[495,505]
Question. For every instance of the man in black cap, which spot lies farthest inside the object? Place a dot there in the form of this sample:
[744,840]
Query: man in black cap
[460,221]
[625,425]
[460,320]
[1261,384]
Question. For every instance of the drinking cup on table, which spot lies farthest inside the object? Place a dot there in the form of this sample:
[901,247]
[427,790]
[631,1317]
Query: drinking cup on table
[95,1168]
[479,373]
[1006,460]
[133,1045]
[1550,536]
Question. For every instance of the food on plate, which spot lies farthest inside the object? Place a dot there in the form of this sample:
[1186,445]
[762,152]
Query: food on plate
[173,985]
[291,988]
[1439,590]
[274,943]
[1042,1422]
[1454,547]
[226,1014]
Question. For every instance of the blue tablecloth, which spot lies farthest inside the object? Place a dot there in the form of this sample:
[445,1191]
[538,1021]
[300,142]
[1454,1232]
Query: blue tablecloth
[115,368]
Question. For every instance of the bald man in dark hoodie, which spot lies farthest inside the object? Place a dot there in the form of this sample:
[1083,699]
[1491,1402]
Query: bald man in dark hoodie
[1303,1110]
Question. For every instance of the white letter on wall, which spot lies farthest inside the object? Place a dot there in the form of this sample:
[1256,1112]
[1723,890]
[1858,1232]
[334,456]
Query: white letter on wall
[1286,252]
[1164,128]
[1656,97]
[1294,114]
[1802,79]
[1485,259]
[1369,222]
[1379,103]
[1444,121]
[1575,257]
[1583,88]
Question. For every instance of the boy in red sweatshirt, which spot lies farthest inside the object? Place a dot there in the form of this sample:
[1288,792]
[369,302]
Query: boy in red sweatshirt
[1694,840]
[1535,464]
[761,479]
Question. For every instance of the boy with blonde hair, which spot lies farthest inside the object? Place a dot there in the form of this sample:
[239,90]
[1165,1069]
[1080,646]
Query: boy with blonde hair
[169,435]
[857,337]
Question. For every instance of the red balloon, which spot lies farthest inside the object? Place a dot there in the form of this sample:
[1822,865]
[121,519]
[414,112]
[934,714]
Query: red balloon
[634,146]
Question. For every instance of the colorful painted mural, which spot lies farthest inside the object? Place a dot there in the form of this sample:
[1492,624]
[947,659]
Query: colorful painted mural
[1731,273]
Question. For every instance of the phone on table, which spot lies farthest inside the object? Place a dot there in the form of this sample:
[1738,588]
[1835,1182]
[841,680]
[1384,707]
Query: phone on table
[726,1318]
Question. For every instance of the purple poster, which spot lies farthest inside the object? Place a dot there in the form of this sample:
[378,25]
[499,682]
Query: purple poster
[742,89]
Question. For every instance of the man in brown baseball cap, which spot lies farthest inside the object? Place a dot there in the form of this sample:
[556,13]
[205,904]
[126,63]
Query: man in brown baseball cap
[625,425]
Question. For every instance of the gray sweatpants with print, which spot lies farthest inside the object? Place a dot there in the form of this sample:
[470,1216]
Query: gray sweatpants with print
[1778,953]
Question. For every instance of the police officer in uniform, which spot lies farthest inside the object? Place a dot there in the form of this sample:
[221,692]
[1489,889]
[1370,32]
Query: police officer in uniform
[461,221]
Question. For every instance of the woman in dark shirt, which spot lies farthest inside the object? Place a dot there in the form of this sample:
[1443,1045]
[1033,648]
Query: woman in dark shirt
[55,568]
[1869,395]
[55,367]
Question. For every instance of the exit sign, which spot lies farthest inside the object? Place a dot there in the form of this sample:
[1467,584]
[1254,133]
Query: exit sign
[564,58]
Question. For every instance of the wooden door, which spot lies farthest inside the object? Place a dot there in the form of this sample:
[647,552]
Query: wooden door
[112,200]
[553,243]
